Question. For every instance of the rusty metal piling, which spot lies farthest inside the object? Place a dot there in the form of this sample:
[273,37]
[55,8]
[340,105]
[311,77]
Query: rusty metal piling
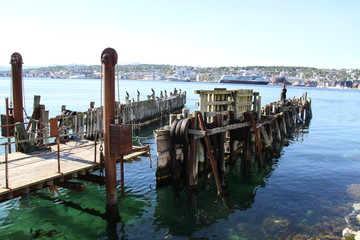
[17,87]
[109,60]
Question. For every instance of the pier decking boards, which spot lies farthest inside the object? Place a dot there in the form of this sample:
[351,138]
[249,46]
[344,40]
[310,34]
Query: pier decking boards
[28,172]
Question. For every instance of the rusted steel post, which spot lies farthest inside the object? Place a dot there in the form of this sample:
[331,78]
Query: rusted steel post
[122,175]
[6,166]
[109,60]
[58,153]
[95,152]
[7,122]
[17,87]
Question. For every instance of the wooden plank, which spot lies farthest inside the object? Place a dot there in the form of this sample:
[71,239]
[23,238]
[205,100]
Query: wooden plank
[226,128]
[213,114]
[129,156]
[245,104]
[220,103]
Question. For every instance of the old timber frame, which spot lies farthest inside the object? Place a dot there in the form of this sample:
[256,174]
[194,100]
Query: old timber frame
[231,129]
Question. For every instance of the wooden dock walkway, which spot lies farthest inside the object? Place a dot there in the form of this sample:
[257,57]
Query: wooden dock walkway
[34,171]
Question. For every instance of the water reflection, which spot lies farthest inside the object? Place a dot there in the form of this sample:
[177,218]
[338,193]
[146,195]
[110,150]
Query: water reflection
[186,211]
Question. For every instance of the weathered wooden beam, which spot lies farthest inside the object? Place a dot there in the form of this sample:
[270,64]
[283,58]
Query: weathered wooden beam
[265,137]
[211,156]
[227,128]
[196,132]
[257,138]
[74,186]
[220,103]
[27,146]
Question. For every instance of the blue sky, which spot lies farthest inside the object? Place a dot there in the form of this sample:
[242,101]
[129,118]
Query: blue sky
[314,33]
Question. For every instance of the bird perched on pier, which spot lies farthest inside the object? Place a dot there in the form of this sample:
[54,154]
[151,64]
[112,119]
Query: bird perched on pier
[153,93]
[127,94]
[283,93]
[138,92]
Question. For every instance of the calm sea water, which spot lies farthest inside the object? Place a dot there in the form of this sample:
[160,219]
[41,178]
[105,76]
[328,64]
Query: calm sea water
[307,192]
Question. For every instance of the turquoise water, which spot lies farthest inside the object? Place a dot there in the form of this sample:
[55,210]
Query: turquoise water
[304,193]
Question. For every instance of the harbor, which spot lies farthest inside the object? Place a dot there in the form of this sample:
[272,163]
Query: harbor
[255,194]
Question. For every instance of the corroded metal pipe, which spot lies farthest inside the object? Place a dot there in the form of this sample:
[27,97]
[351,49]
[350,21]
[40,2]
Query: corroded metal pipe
[17,87]
[109,60]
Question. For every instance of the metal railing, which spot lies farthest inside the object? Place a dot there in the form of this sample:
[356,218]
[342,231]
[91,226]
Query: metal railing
[58,141]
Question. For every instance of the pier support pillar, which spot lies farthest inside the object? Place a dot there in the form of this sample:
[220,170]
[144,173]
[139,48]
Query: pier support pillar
[17,86]
[109,60]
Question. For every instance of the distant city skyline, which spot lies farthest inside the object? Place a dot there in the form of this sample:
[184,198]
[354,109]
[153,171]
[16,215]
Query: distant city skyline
[317,33]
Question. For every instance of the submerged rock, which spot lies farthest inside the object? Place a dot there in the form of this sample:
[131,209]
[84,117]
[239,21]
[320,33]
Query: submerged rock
[358,218]
[356,206]
[354,190]
[349,234]
[276,226]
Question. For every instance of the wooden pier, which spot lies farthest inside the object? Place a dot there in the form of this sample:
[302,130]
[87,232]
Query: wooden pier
[50,152]
[28,172]
[230,129]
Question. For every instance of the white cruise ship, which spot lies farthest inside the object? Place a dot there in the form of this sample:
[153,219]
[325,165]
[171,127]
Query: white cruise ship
[243,79]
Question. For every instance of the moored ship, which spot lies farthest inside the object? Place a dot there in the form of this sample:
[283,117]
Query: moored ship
[243,79]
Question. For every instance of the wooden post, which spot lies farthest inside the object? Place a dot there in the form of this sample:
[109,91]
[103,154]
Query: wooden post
[17,86]
[41,123]
[35,115]
[232,139]
[265,136]
[283,125]
[185,112]
[47,127]
[255,104]
[172,119]
[193,164]
[246,138]
[212,160]
[259,107]
[221,147]
[257,138]
[27,146]
[109,60]
[277,130]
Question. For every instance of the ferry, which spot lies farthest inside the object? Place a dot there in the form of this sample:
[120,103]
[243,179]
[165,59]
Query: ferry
[177,78]
[243,79]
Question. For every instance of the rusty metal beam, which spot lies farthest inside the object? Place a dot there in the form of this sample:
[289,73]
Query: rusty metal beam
[109,60]
[17,86]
